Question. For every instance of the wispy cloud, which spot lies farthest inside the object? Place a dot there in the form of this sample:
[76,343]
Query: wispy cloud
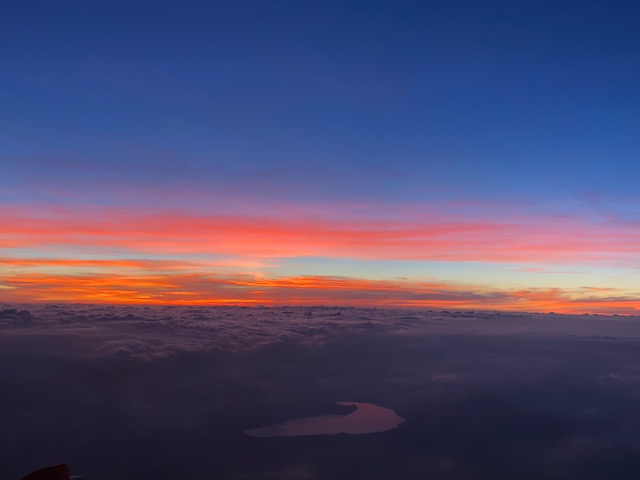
[211,289]
[439,236]
[137,255]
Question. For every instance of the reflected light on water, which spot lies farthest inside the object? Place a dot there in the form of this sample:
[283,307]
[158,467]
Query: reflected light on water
[367,418]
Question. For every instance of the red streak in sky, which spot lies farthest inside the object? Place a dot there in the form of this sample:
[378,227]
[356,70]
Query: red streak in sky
[558,241]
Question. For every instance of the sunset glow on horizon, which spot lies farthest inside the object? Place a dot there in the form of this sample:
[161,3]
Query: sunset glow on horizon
[80,253]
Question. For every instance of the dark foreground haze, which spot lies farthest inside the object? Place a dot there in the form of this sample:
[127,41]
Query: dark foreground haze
[133,393]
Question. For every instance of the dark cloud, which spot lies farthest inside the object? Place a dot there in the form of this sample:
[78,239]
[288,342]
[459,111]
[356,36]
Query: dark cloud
[167,392]
[144,331]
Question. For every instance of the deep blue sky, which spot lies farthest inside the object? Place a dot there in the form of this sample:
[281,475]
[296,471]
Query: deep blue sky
[495,96]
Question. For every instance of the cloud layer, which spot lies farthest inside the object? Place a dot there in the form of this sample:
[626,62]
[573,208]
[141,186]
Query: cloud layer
[503,394]
[148,332]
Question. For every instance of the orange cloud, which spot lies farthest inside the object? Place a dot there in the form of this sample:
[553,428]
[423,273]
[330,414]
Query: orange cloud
[304,290]
[102,263]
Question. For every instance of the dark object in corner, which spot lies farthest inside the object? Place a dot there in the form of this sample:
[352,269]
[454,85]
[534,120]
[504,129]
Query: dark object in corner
[58,472]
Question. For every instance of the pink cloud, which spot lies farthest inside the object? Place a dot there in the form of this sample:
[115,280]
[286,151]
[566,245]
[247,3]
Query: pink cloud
[440,237]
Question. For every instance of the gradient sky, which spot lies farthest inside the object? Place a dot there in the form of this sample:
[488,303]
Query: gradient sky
[461,154]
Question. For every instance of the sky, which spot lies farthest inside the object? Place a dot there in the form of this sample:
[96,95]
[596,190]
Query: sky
[455,155]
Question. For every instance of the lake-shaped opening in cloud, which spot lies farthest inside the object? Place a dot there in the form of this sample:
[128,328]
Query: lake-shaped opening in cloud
[367,418]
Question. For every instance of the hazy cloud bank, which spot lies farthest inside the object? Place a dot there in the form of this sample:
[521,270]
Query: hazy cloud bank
[145,332]
[485,395]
